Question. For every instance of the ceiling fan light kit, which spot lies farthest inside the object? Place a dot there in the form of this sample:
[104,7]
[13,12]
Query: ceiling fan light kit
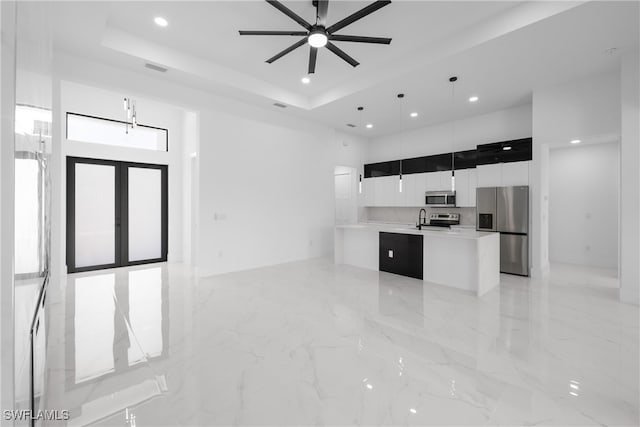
[319,35]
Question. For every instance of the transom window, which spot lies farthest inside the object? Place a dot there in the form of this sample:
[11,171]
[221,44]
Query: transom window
[96,130]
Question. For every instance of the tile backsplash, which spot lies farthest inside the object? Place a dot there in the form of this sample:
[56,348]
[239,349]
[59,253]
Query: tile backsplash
[404,215]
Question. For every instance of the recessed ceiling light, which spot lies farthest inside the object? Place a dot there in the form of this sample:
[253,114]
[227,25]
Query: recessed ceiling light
[160,21]
[369,125]
[506,148]
[575,141]
[414,114]
[305,80]
[473,99]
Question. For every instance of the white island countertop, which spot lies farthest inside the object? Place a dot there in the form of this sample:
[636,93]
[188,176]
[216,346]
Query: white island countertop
[460,232]
[460,257]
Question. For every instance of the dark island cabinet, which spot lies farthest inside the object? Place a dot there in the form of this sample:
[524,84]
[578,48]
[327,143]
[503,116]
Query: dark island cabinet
[401,254]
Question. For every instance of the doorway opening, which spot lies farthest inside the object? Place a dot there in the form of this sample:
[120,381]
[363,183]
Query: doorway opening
[345,184]
[584,182]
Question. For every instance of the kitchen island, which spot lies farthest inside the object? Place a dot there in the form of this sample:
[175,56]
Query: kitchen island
[461,258]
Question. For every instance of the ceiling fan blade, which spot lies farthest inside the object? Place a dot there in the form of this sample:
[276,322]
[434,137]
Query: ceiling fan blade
[291,14]
[272,33]
[335,49]
[359,39]
[358,15]
[287,50]
[322,8]
[313,55]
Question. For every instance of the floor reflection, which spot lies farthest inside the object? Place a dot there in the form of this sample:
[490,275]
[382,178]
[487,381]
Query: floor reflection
[117,323]
[313,343]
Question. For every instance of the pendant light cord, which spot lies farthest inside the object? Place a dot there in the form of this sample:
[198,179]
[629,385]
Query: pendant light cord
[453,133]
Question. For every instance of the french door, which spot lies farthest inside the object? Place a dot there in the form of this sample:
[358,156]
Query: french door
[116,214]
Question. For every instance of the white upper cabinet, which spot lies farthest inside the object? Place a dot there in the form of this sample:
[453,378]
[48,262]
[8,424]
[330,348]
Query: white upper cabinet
[515,173]
[438,181]
[368,191]
[462,188]
[407,198]
[503,174]
[382,191]
[413,188]
[473,184]
[466,188]
[489,175]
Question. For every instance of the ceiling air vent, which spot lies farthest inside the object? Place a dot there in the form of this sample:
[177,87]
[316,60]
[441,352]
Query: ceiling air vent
[351,125]
[155,67]
[279,105]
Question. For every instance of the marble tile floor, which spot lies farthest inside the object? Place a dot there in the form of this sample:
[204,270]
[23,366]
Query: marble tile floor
[312,343]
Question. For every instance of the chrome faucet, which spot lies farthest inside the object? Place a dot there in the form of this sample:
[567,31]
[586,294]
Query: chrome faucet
[421,221]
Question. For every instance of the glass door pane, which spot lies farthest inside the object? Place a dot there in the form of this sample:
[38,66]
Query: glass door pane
[27,216]
[145,213]
[95,214]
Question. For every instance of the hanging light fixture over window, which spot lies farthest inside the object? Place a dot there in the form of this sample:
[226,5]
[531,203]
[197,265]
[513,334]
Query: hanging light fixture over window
[401,98]
[132,115]
[453,80]
[361,111]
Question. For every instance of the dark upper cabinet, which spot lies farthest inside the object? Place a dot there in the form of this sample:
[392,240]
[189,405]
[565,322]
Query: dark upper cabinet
[439,162]
[414,165]
[465,159]
[436,163]
[373,170]
[517,150]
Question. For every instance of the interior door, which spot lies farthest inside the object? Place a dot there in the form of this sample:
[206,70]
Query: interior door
[116,214]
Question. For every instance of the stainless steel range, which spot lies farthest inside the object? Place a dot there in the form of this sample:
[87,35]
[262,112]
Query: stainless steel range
[444,219]
[438,220]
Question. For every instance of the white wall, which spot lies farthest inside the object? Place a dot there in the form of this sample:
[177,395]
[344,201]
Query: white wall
[83,99]
[502,125]
[583,205]
[258,170]
[190,147]
[630,180]
[587,109]
[266,193]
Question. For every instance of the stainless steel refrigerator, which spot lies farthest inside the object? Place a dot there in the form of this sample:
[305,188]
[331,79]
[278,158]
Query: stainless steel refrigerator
[506,210]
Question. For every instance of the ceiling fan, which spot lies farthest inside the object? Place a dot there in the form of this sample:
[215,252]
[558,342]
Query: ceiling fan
[320,35]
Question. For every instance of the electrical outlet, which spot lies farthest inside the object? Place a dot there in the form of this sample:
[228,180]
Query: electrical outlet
[390,254]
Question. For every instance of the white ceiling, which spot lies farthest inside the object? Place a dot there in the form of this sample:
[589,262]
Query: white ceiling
[500,50]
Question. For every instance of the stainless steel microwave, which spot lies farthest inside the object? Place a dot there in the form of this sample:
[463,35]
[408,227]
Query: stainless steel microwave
[440,199]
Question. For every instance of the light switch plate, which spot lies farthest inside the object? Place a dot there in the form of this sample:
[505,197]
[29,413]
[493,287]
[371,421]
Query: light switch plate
[390,254]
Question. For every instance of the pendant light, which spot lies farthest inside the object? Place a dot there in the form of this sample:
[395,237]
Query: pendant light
[453,80]
[401,98]
[361,110]
[132,115]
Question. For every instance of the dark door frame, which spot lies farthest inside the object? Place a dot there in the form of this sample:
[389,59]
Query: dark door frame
[121,213]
